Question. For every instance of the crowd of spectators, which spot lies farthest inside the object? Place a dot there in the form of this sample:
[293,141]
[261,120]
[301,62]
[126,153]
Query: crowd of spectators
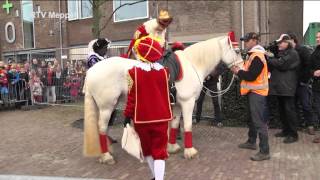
[40,82]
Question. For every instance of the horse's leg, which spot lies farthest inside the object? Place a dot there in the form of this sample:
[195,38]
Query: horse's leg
[106,148]
[187,109]
[173,146]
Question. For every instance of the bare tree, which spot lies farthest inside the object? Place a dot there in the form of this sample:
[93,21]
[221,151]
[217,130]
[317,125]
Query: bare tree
[97,15]
[97,28]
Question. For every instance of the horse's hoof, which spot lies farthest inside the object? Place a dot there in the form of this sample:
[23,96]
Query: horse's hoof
[107,158]
[190,153]
[173,148]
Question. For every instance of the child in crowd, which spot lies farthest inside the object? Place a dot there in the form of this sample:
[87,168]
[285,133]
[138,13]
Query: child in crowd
[36,89]
[3,83]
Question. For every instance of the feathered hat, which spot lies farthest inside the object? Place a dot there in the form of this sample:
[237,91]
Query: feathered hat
[164,19]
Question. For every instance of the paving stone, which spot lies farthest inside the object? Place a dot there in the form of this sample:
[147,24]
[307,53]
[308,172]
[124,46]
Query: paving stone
[44,143]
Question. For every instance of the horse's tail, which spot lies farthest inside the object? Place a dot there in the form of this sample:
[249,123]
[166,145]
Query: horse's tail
[91,145]
[84,85]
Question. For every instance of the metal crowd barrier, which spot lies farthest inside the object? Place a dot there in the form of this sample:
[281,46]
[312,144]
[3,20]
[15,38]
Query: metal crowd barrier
[16,93]
[22,93]
[61,90]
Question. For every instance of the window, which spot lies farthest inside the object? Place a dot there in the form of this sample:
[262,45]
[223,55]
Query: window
[27,23]
[79,9]
[130,12]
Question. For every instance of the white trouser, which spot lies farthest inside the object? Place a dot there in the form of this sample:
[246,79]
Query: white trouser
[52,89]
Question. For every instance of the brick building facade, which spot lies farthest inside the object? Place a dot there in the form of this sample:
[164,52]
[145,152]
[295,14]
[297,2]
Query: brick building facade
[193,21]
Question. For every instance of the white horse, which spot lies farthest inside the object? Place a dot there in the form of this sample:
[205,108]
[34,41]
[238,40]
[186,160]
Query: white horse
[107,81]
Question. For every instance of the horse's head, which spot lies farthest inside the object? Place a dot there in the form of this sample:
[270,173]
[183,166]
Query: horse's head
[230,55]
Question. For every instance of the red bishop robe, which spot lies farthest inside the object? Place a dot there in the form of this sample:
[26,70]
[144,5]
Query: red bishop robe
[148,98]
[140,32]
[147,28]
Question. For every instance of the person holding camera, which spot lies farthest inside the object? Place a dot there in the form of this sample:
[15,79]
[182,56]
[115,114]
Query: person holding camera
[304,92]
[283,85]
[254,84]
[315,72]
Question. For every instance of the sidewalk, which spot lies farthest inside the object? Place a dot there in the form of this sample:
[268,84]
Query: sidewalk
[14,177]
[43,143]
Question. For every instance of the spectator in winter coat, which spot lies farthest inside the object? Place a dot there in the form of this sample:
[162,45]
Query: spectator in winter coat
[23,83]
[58,83]
[35,65]
[283,84]
[303,92]
[50,84]
[315,72]
[13,78]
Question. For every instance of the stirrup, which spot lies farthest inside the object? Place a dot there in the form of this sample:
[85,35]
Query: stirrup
[172,99]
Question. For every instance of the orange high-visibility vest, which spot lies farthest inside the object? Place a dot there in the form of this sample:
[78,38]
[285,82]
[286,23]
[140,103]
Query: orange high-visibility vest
[260,85]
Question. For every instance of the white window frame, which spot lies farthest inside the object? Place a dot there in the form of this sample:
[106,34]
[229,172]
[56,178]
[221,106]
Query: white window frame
[34,33]
[79,11]
[130,19]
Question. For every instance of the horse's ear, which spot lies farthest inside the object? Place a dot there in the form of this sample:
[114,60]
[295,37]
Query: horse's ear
[232,39]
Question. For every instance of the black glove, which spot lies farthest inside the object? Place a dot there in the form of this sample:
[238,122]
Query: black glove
[127,120]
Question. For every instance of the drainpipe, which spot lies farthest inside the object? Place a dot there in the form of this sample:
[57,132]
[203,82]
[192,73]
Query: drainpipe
[60,32]
[257,14]
[242,23]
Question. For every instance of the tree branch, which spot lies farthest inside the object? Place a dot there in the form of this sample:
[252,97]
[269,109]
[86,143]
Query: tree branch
[110,17]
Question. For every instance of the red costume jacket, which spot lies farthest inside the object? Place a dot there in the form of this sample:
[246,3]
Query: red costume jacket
[148,97]
[147,28]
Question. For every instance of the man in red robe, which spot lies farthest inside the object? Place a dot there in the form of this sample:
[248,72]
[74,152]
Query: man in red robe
[153,27]
[148,104]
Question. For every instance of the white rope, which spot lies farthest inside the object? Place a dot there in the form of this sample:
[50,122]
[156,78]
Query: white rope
[220,93]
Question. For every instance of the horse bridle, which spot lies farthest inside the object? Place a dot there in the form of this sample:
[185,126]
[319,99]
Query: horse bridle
[237,51]
[233,63]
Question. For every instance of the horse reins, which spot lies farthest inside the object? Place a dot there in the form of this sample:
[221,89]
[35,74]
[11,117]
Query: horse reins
[219,93]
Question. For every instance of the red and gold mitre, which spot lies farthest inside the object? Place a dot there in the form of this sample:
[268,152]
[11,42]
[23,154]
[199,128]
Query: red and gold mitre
[148,49]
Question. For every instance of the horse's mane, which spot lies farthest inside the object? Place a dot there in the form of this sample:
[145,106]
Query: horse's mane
[205,53]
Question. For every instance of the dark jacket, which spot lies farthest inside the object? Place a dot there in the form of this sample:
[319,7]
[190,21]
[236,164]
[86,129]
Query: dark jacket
[58,81]
[213,77]
[284,73]
[304,68]
[315,65]
[253,72]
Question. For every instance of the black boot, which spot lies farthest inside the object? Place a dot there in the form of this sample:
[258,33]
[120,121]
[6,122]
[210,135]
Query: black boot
[260,156]
[112,141]
[173,94]
[248,145]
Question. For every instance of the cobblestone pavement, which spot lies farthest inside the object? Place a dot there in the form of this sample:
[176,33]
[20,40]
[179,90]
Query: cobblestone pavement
[44,143]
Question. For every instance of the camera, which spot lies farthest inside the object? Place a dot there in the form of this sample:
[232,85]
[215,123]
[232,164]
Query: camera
[273,47]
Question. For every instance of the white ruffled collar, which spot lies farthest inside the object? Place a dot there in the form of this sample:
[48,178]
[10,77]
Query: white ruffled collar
[98,56]
[148,66]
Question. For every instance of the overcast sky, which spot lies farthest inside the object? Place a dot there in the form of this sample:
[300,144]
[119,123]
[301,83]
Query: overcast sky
[311,13]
